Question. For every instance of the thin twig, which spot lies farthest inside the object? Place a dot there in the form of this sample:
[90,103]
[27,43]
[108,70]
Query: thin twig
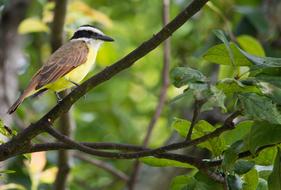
[197,108]
[113,155]
[103,165]
[162,97]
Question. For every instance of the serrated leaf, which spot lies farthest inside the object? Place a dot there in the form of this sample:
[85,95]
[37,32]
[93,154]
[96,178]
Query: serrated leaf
[30,25]
[274,180]
[262,61]
[259,108]
[184,75]
[261,134]
[243,166]
[162,162]
[251,180]
[218,54]
[250,45]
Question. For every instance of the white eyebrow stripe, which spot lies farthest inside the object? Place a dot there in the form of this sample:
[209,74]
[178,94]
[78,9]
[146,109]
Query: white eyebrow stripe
[90,29]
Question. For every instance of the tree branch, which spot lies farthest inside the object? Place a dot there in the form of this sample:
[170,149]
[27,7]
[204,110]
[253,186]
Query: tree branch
[22,140]
[197,108]
[105,154]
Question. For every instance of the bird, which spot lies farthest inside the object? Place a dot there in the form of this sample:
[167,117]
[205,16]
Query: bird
[68,65]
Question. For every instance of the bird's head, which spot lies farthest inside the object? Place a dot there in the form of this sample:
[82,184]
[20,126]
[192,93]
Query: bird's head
[90,33]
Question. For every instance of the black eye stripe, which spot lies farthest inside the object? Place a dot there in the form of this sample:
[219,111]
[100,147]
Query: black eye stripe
[85,34]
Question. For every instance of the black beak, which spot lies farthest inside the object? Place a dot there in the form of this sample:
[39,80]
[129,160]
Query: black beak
[105,38]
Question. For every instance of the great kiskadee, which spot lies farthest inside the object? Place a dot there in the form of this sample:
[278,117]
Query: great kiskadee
[67,66]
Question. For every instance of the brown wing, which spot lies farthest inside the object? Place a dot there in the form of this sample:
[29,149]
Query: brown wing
[62,61]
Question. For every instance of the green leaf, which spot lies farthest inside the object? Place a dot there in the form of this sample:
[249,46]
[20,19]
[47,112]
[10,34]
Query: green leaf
[251,180]
[275,80]
[216,145]
[218,54]
[216,99]
[231,155]
[181,126]
[7,171]
[262,184]
[234,182]
[243,166]
[27,156]
[184,75]
[261,134]
[198,182]
[229,158]
[250,45]
[259,108]
[6,131]
[274,180]
[262,61]
[205,183]
[238,133]
[162,162]
[230,86]
[183,182]
[266,156]
[220,34]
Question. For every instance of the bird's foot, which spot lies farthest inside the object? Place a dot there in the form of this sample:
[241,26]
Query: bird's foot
[59,99]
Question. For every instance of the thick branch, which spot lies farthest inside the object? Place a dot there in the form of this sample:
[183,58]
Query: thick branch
[22,140]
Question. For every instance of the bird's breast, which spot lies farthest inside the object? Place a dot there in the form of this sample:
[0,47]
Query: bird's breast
[79,73]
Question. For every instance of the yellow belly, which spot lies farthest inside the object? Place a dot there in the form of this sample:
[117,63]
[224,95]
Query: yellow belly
[76,75]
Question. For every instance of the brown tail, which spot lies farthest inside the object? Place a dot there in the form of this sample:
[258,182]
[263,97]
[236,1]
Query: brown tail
[24,95]
[16,104]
